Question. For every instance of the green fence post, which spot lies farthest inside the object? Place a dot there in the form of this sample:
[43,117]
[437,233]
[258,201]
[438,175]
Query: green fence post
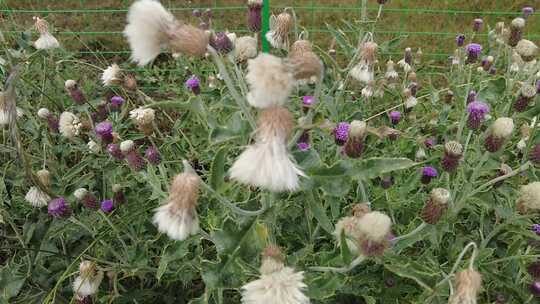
[265,25]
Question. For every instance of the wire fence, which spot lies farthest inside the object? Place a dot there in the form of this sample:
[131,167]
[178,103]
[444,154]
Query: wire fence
[94,28]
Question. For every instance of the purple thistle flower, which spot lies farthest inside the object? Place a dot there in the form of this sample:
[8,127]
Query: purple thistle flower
[254,18]
[308,100]
[430,142]
[428,173]
[114,151]
[460,40]
[194,84]
[536,229]
[58,208]
[535,288]
[477,24]
[341,133]
[534,155]
[473,52]
[477,112]
[303,146]
[221,43]
[395,117]
[527,11]
[104,131]
[152,155]
[117,102]
[107,206]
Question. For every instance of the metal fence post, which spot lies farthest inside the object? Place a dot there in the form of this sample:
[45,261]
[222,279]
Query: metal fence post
[266,25]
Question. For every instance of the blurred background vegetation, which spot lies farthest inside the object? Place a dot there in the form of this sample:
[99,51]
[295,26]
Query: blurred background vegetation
[89,26]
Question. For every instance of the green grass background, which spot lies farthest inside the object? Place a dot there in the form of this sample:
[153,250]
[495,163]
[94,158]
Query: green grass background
[429,24]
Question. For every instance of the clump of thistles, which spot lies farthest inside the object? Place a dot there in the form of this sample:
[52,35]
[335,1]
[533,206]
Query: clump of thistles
[469,283]
[35,196]
[280,26]
[46,40]
[87,283]
[134,159]
[277,284]
[477,112]
[529,199]
[178,216]
[498,133]
[143,118]
[363,71]
[52,120]
[526,95]
[374,231]
[267,163]
[74,91]
[87,198]
[453,151]
[435,205]
[270,81]
[150,26]
[354,147]
[69,125]
[306,65]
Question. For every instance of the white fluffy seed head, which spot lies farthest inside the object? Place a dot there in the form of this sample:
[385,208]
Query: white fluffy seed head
[453,148]
[94,147]
[142,116]
[37,198]
[43,113]
[146,30]
[440,196]
[111,75]
[80,193]
[88,281]
[469,283]
[127,145]
[530,196]
[270,81]
[69,125]
[528,91]
[527,49]
[357,129]
[375,226]
[348,226]
[245,48]
[518,23]
[502,127]
[70,84]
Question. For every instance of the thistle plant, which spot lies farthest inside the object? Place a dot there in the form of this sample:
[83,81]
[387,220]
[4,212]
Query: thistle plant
[297,176]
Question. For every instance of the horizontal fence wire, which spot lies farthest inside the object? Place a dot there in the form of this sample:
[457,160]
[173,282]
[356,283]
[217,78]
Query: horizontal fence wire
[406,13]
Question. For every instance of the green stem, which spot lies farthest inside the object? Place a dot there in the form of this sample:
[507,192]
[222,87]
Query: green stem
[345,269]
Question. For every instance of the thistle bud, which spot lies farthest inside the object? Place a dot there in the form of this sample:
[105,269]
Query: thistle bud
[52,121]
[435,206]
[114,151]
[526,95]
[503,170]
[87,198]
[104,131]
[477,24]
[75,91]
[254,18]
[449,97]
[516,31]
[354,146]
[152,155]
[194,85]
[460,40]
[135,161]
[118,195]
[221,43]
[395,117]
[453,151]
[498,133]
[117,102]
[534,154]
